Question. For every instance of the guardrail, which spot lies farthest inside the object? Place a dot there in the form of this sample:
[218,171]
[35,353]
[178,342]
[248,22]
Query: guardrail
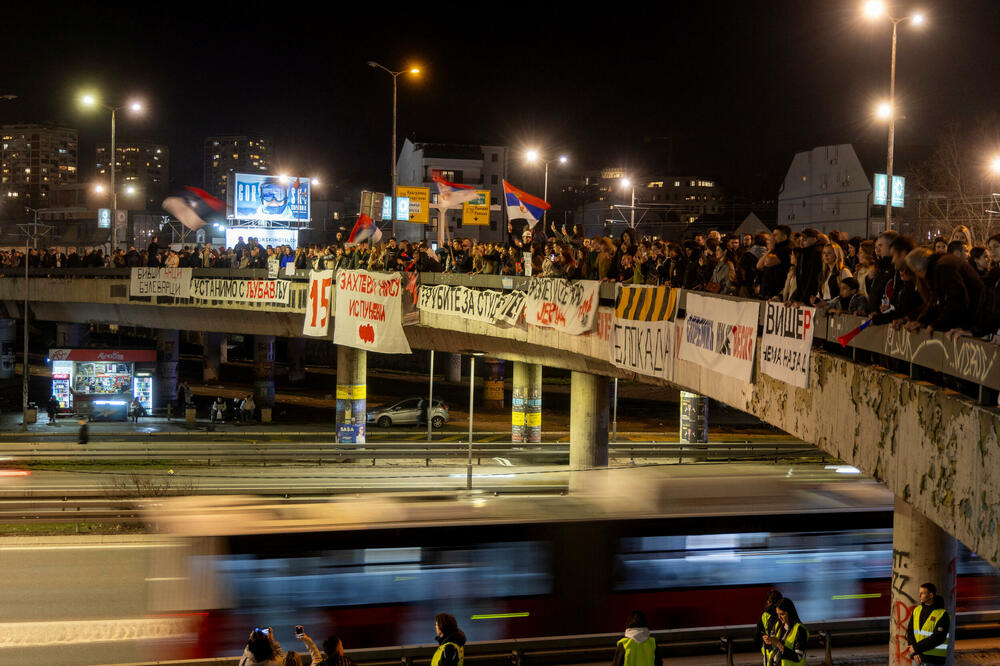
[677,643]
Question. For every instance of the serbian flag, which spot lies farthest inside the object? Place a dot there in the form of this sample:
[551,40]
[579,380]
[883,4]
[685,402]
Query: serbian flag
[523,206]
[365,230]
[846,338]
[452,195]
[193,207]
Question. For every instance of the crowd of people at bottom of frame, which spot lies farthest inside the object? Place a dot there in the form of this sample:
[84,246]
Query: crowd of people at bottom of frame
[780,636]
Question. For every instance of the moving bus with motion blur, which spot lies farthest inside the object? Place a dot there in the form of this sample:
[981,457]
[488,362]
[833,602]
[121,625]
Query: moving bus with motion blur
[689,551]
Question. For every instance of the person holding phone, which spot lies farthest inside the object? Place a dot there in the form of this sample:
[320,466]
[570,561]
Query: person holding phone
[262,649]
[333,650]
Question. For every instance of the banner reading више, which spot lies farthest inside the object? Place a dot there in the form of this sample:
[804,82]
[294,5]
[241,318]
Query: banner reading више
[720,335]
[786,345]
[174,282]
[486,305]
[241,291]
[643,336]
[369,312]
[569,307]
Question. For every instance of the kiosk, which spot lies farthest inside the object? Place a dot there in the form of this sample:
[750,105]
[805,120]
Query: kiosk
[101,383]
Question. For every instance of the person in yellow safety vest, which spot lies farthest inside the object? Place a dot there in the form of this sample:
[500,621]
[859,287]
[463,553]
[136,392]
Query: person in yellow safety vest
[451,642]
[767,625]
[788,646]
[637,648]
[930,623]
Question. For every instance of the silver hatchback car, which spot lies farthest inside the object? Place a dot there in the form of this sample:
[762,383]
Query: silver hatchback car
[408,412]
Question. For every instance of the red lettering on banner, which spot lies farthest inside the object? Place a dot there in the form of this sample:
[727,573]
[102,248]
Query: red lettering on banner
[550,315]
[584,309]
[366,310]
[367,333]
[743,338]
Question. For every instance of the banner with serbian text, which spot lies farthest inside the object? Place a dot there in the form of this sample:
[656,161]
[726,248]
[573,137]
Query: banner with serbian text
[369,312]
[720,335]
[786,345]
[174,282]
[569,307]
[316,323]
[241,291]
[643,336]
[510,308]
[485,305]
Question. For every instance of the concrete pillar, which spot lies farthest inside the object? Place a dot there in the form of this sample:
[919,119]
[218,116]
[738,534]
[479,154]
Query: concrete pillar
[526,403]
[453,368]
[263,370]
[8,342]
[694,418]
[295,353]
[352,410]
[493,385]
[167,354]
[922,552]
[212,349]
[588,421]
[71,336]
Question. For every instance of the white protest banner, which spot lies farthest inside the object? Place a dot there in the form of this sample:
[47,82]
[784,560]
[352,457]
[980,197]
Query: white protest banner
[317,318]
[369,312]
[174,282]
[786,345]
[510,308]
[242,291]
[290,269]
[273,266]
[478,305]
[643,337]
[720,335]
[570,307]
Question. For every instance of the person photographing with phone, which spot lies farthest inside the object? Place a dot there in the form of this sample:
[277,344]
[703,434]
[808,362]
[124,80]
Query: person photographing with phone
[333,650]
[262,649]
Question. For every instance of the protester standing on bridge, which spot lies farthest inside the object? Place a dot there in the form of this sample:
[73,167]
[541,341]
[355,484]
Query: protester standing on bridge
[789,644]
[927,634]
[767,624]
[451,642]
[637,648]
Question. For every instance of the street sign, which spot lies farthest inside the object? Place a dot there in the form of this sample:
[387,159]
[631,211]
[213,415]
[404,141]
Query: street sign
[419,203]
[898,190]
[477,211]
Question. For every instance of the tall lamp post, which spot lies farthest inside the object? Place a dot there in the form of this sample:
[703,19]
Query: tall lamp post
[627,182]
[394,75]
[876,9]
[90,101]
[31,235]
[533,156]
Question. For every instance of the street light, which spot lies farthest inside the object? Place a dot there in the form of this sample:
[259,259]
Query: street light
[533,155]
[875,9]
[883,111]
[995,165]
[395,75]
[91,100]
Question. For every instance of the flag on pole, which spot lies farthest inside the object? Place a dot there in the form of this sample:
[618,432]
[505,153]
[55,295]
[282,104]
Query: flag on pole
[365,230]
[193,206]
[523,206]
[846,338]
[452,195]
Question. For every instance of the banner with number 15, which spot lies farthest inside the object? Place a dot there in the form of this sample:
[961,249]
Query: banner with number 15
[317,319]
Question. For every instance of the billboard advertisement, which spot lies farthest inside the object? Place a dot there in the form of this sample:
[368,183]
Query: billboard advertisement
[264,236]
[269,198]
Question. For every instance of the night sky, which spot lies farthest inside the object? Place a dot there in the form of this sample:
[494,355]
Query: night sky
[725,89]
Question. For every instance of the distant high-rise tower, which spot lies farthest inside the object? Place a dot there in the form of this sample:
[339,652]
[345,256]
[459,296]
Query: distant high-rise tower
[35,158]
[234,153]
[142,165]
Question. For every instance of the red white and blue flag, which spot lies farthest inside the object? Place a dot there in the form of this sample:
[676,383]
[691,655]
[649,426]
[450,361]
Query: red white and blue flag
[452,195]
[523,206]
[365,231]
[193,206]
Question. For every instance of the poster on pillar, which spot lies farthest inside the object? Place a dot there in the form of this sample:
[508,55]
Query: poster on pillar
[351,413]
[316,323]
[164,281]
[643,336]
[569,307]
[720,335]
[786,345]
[369,312]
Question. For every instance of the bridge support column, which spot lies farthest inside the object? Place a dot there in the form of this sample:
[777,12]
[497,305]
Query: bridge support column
[922,552]
[493,385]
[295,353]
[71,336]
[8,341]
[694,418]
[352,410]
[453,368]
[167,352]
[212,347]
[588,424]
[263,373]
[526,403]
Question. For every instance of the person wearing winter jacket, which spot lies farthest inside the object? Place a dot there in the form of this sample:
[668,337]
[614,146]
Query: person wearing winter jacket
[637,648]
[262,649]
[451,642]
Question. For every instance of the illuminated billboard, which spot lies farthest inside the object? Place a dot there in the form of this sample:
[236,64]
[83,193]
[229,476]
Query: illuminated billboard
[269,198]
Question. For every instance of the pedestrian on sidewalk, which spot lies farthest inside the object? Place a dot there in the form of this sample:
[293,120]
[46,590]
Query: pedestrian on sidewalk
[637,648]
[247,409]
[767,624]
[52,407]
[451,641]
[83,436]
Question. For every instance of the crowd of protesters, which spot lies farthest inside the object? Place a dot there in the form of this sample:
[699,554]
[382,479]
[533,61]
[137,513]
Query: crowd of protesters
[949,284]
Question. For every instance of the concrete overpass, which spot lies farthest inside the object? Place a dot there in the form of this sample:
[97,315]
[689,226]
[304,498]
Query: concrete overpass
[939,452]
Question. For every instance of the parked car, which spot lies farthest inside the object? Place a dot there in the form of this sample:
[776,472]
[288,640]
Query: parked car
[407,412]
